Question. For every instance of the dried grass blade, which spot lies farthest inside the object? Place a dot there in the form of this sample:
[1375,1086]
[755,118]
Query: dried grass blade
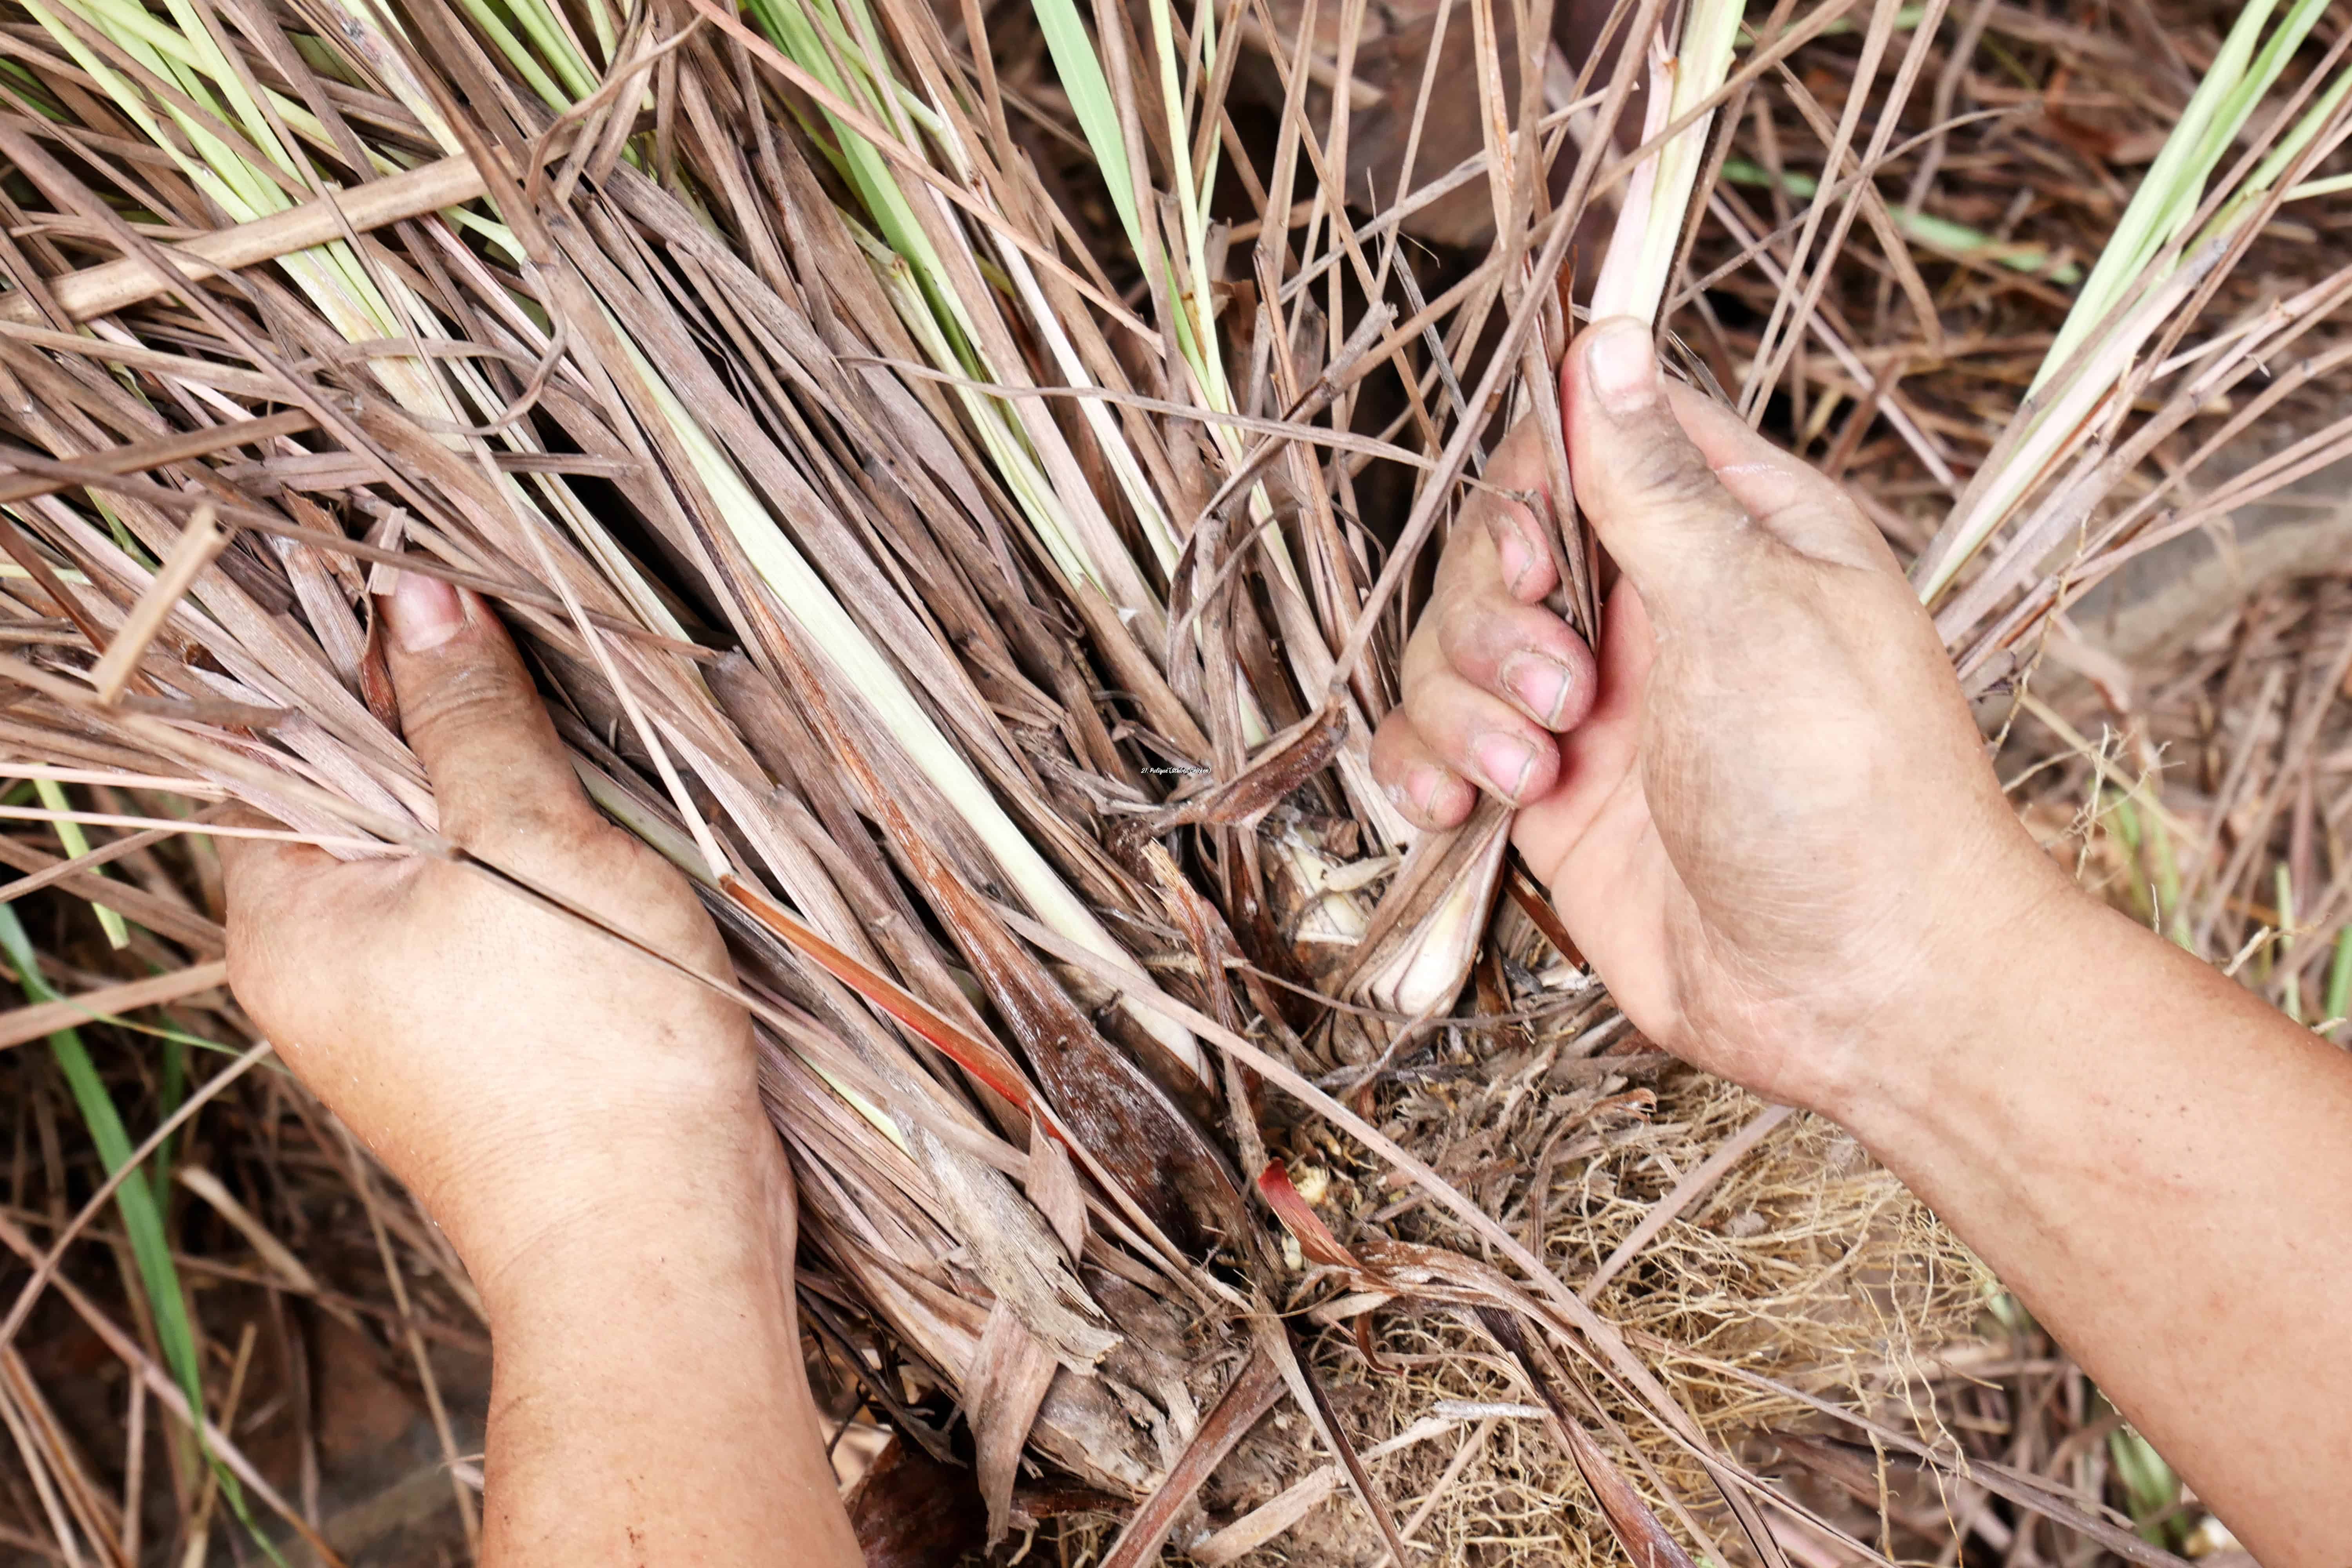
[984,1062]
[29,1024]
[1274,1341]
[167,1393]
[115,284]
[1249,1396]
[138,456]
[1636,1527]
[199,544]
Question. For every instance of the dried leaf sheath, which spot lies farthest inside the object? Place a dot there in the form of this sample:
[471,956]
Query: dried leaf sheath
[1015,736]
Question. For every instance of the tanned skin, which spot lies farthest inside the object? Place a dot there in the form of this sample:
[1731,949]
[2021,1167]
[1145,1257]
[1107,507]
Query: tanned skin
[1766,817]
[1763,812]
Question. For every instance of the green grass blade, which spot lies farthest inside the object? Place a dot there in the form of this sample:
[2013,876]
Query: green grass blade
[143,1220]
[2339,974]
[1081,73]
[1936,234]
[135,1200]
[77,844]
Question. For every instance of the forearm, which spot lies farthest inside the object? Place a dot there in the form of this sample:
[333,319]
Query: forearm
[649,1405]
[2160,1166]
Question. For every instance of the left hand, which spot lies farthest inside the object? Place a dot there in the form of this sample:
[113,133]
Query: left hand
[529,1078]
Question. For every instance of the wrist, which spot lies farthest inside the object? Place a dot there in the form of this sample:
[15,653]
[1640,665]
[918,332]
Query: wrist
[2000,1002]
[686,1205]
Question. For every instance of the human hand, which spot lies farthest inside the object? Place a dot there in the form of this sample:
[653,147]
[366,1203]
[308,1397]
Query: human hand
[533,1082]
[1770,822]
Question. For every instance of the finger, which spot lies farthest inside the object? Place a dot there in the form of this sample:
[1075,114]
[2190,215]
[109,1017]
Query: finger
[469,710]
[1787,497]
[1474,734]
[1522,557]
[1430,794]
[1522,653]
[1644,484]
[1599,759]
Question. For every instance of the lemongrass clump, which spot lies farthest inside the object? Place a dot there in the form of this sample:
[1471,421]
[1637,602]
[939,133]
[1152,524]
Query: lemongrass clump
[2148,269]
[995,640]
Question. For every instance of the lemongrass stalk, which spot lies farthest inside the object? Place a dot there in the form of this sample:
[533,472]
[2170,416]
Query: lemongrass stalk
[608,37]
[552,31]
[1095,551]
[809,601]
[526,64]
[1635,273]
[136,22]
[1426,973]
[1204,34]
[1104,561]
[1157,531]
[2159,212]
[1019,434]
[1195,332]
[1088,90]
[1192,208]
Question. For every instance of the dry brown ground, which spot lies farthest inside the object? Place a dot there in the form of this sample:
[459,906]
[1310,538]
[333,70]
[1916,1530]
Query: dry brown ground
[2187,745]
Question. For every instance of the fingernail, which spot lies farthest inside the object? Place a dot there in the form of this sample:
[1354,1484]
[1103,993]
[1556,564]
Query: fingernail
[425,612]
[1517,559]
[1504,760]
[1623,365]
[1540,684]
[1421,786]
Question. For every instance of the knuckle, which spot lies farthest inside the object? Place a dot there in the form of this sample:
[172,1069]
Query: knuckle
[1469,555]
[470,701]
[1463,623]
[1672,474]
[1390,742]
[537,827]
[1424,655]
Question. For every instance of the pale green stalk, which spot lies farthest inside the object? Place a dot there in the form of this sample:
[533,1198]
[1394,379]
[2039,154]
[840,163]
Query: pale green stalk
[2170,193]
[1635,273]
[2136,258]
[2291,998]
[1194,304]
[1935,233]
[77,844]
[2290,147]
[843,643]
[1194,330]
[1021,437]
[2340,976]
[329,275]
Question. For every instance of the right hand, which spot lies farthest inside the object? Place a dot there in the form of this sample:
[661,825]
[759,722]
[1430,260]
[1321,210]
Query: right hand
[1776,833]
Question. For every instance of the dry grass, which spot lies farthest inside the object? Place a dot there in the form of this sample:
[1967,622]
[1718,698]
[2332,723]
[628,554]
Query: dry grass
[955,526]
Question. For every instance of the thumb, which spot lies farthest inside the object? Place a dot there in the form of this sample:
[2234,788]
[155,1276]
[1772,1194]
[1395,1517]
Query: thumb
[1644,484]
[468,710]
